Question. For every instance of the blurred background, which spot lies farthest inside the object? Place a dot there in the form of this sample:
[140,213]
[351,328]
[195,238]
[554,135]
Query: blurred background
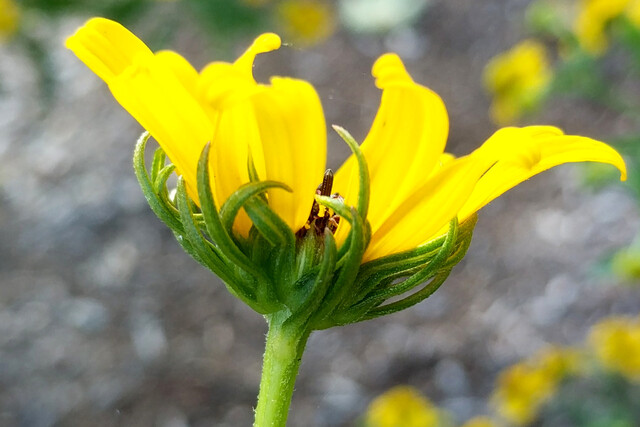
[104,321]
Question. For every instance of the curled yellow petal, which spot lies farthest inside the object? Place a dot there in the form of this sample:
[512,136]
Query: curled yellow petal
[263,43]
[107,48]
[404,144]
[520,153]
[157,90]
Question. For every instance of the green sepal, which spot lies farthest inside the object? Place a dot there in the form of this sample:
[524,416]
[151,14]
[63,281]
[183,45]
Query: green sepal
[274,231]
[158,206]
[228,249]
[208,254]
[363,171]
[409,301]
[407,262]
[268,223]
[234,203]
[159,159]
[459,251]
[161,177]
[363,187]
[282,253]
[380,295]
[313,293]
[347,269]
[442,254]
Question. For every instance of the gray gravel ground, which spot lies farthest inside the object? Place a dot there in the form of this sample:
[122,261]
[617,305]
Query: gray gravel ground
[105,322]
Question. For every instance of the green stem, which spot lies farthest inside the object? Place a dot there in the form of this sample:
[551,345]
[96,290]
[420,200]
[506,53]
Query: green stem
[282,356]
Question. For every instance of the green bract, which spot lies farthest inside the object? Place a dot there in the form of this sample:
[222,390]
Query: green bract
[307,280]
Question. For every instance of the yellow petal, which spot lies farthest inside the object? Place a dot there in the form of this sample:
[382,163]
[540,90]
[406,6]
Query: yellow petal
[156,90]
[404,144]
[225,91]
[293,136]
[181,68]
[263,43]
[520,153]
[236,131]
[428,209]
[107,48]
[160,103]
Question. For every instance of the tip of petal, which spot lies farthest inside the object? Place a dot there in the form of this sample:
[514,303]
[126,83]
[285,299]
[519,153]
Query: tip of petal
[107,47]
[622,167]
[389,69]
[266,42]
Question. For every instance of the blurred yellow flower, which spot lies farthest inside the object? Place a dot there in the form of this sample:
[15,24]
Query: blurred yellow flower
[616,341]
[558,362]
[517,80]
[521,390]
[595,15]
[524,387]
[306,22]
[480,422]
[401,406]
[415,187]
[9,18]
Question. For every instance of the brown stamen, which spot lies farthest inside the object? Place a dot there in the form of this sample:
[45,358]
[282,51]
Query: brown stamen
[321,217]
[327,183]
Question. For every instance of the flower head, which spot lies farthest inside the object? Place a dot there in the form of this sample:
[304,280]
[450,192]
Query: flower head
[9,18]
[481,421]
[595,15]
[524,387]
[616,341]
[250,157]
[402,406]
[306,21]
[517,80]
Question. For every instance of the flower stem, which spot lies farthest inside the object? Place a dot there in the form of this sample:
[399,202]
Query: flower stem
[282,356]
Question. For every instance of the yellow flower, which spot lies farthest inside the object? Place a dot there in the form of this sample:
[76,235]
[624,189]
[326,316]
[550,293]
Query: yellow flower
[415,188]
[480,422]
[616,341]
[9,18]
[306,21]
[517,80]
[595,15]
[401,406]
[524,387]
[521,390]
[558,362]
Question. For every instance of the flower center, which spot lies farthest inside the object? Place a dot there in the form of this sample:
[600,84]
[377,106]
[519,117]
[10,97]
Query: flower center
[320,216]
